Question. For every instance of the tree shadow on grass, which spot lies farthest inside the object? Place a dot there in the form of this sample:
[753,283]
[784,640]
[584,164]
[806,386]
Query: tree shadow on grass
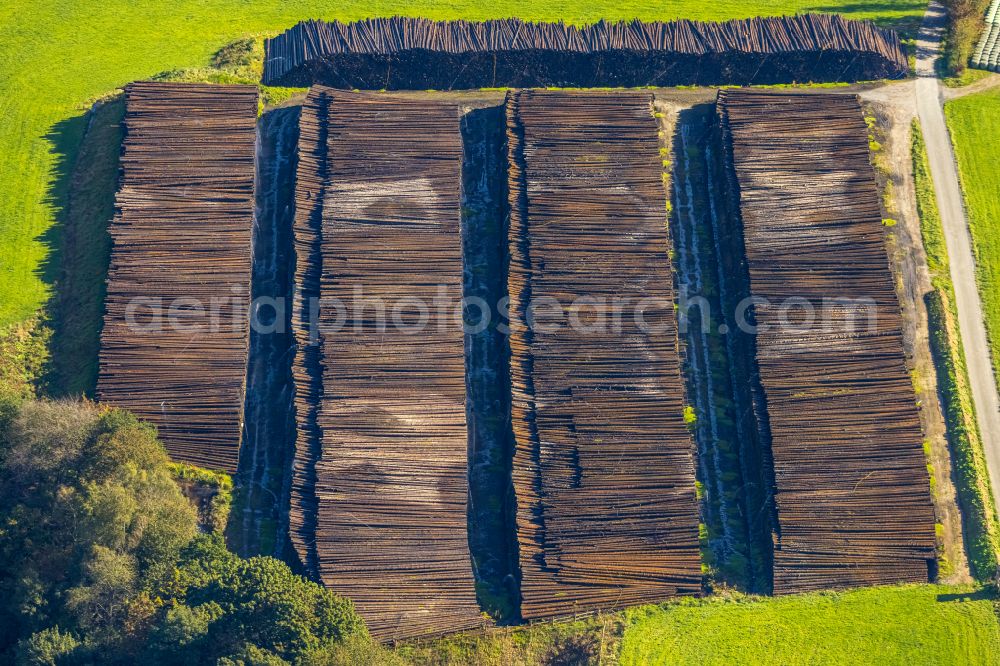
[82,191]
[906,26]
[982,594]
[65,139]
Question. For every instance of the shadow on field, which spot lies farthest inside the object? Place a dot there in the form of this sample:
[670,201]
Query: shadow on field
[82,191]
[65,139]
[906,26]
[981,594]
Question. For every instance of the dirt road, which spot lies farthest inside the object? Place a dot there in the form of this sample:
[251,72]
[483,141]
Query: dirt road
[949,200]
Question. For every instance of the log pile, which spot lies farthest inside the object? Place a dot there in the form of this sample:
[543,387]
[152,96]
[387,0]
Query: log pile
[182,245]
[851,484]
[412,53]
[390,477]
[310,179]
[603,463]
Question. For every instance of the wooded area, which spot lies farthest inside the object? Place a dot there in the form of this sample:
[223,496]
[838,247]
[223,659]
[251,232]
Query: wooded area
[174,344]
[603,467]
[851,483]
[391,478]
[411,53]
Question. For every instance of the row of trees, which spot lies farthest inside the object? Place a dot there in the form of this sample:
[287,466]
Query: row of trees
[101,560]
[965,25]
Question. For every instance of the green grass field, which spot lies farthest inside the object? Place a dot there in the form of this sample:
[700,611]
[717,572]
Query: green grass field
[922,625]
[974,122]
[917,625]
[56,56]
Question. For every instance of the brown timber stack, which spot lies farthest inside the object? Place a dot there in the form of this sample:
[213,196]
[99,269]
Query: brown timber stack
[182,230]
[389,528]
[413,53]
[852,490]
[310,179]
[603,464]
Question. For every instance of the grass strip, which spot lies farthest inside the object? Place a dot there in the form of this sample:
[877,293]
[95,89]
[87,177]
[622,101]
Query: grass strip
[979,517]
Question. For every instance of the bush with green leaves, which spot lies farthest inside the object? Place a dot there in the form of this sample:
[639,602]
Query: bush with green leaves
[965,25]
[101,560]
[217,604]
[88,511]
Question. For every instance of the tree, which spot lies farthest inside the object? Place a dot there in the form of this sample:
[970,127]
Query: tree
[256,601]
[89,509]
[100,562]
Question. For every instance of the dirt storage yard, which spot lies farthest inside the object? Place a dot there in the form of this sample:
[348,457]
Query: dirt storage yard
[734,563]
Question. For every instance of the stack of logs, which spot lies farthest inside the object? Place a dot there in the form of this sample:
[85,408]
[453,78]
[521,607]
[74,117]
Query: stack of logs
[603,466]
[174,344]
[389,487]
[412,53]
[310,179]
[852,489]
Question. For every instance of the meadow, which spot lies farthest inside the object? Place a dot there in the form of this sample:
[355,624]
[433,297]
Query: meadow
[58,56]
[924,625]
[974,122]
[917,624]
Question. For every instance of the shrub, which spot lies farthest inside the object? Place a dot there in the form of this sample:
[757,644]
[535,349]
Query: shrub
[244,57]
[48,647]
[24,357]
[965,25]
[100,562]
[262,603]
[209,490]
